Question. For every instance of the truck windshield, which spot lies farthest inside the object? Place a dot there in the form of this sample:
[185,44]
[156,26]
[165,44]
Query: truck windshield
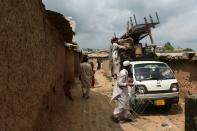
[153,71]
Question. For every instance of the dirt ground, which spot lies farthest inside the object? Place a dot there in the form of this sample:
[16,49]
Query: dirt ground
[94,114]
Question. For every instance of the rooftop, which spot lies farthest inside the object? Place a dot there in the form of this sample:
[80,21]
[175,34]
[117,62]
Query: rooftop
[61,24]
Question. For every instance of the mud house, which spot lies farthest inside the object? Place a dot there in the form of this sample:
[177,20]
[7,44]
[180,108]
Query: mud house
[100,60]
[184,66]
[33,65]
[73,59]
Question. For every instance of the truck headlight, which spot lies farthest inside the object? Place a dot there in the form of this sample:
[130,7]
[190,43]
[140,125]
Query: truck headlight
[175,87]
[140,89]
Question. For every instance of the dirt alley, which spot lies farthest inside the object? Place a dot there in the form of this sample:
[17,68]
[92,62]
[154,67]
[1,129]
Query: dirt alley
[94,114]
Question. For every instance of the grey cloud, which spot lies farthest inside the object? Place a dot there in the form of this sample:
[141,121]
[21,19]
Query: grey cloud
[97,20]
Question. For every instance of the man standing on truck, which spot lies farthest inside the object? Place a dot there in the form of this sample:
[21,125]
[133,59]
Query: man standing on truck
[115,55]
[122,111]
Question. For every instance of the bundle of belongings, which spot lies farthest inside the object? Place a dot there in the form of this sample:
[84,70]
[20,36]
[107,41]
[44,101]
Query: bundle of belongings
[124,49]
[133,50]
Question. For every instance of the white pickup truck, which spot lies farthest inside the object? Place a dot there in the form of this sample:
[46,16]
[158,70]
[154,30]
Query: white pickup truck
[153,83]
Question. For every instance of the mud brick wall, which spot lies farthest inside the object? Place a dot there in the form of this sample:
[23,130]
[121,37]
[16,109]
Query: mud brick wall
[186,74]
[77,59]
[69,65]
[106,66]
[32,58]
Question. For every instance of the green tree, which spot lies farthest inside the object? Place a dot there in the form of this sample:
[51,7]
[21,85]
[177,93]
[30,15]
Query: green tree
[168,47]
[188,49]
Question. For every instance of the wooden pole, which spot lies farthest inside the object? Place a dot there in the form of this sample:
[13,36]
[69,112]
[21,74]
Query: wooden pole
[151,19]
[146,22]
[157,17]
[149,30]
[135,19]
[151,38]
[114,34]
[131,22]
[127,26]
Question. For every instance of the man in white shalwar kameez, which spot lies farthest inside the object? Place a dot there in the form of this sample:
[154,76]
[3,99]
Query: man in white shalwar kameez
[120,93]
[86,75]
[115,55]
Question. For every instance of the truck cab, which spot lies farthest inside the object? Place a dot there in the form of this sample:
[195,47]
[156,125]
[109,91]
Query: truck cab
[154,83]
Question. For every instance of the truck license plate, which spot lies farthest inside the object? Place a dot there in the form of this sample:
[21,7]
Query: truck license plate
[159,102]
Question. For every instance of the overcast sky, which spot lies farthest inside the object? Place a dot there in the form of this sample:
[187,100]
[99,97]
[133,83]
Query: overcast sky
[97,20]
